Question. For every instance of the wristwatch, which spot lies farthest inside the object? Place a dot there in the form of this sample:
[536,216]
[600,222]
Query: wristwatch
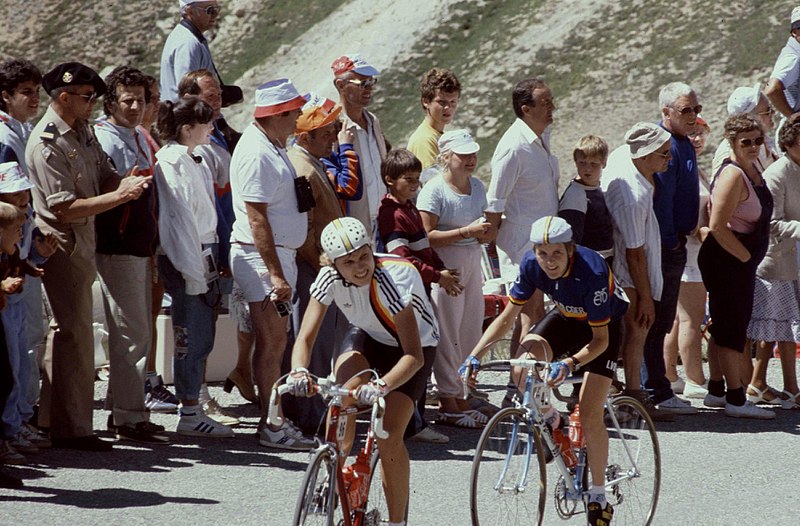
[575,364]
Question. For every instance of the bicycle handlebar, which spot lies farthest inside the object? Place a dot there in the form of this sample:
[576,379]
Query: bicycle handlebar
[327,387]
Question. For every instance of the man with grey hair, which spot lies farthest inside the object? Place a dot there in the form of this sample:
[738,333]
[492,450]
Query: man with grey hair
[628,183]
[186,49]
[676,202]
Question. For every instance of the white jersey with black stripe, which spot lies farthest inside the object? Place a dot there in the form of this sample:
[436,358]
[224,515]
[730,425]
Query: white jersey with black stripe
[372,308]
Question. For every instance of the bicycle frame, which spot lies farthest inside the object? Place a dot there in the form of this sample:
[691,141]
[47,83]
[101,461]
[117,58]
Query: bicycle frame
[533,405]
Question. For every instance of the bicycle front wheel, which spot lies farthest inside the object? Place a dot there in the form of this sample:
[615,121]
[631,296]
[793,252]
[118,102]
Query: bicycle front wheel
[508,480]
[317,504]
[376,510]
[633,475]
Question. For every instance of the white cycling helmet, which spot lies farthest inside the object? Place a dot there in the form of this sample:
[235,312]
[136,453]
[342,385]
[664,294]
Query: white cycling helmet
[343,236]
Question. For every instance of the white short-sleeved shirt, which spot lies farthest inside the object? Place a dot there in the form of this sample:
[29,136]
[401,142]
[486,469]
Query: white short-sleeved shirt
[525,175]
[372,308]
[629,197]
[454,210]
[787,70]
[262,173]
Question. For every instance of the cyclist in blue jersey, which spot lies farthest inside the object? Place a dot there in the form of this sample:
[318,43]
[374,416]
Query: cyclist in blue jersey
[585,324]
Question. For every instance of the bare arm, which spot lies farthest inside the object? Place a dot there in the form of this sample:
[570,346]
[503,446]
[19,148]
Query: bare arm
[637,266]
[728,192]
[265,244]
[412,358]
[774,92]
[443,238]
[498,328]
[309,329]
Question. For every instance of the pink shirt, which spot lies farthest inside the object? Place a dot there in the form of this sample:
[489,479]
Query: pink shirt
[747,212]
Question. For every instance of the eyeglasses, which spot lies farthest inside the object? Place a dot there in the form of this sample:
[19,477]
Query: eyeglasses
[662,155]
[689,109]
[364,84]
[89,97]
[212,10]
[769,111]
[747,143]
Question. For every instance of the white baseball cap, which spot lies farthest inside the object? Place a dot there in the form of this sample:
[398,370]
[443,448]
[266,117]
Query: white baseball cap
[549,230]
[458,141]
[744,100]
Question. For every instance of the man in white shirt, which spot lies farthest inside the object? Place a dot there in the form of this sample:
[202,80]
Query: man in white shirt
[355,79]
[783,88]
[629,184]
[268,229]
[524,185]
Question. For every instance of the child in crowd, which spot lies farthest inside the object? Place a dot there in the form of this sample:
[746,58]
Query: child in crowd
[582,204]
[401,232]
[21,258]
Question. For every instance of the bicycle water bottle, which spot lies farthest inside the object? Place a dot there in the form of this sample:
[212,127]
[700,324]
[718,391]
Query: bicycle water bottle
[553,420]
[355,476]
[575,427]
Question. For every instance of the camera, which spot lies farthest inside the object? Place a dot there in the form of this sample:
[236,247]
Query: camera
[305,197]
[284,308]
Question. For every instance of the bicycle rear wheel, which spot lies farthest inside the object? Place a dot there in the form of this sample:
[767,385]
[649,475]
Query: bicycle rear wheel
[377,512]
[508,479]
[317,502]
[633,475]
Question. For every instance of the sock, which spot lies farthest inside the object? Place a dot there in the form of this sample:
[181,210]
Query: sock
[401,523]
[716,387]
[597,494]
[188,411]
[735,396]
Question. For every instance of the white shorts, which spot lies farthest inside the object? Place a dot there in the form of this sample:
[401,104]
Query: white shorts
[251,273]
[691,272]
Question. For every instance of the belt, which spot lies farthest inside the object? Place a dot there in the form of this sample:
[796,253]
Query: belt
[253,244]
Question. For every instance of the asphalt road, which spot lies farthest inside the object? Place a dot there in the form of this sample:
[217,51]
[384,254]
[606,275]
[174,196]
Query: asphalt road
[716,471]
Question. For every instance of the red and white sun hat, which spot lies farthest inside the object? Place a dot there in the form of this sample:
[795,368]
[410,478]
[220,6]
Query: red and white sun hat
[277,96]
[12,179]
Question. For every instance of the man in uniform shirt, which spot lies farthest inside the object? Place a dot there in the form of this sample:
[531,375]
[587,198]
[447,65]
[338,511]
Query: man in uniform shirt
[127,237]
[73,182]
[355,80]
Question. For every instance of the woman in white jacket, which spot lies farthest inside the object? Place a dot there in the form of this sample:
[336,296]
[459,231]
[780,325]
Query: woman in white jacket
[187,229]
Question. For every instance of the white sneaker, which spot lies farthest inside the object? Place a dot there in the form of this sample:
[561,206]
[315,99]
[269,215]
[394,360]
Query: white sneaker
[430,436]
[678,385]
[677,406]
[711,400]
[695,391]
[200,425]
[286,437]
[748,410]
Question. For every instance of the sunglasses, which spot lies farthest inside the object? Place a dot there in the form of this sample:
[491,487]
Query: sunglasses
[689,109]
[747,143]
[364,84]
[89,97]
[212,10]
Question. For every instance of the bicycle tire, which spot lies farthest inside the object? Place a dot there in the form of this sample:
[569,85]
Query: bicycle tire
[376,510]
[509,461]
[635,495]
[317,501]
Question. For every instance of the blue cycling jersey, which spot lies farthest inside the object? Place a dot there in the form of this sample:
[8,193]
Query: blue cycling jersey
[586,292]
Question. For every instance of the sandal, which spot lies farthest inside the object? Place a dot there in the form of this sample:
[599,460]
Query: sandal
[465,420]
[758,398]
[478,416]
[791,401]
[483,406]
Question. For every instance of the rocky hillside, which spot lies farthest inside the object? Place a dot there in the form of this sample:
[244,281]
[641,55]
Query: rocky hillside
[605,60]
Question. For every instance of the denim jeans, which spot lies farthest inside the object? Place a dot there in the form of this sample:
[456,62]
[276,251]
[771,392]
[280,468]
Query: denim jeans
[653,369]
[16,409]
[193,327]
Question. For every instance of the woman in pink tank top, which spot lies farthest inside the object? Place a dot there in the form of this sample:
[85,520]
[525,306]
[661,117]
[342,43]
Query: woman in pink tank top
[738,235]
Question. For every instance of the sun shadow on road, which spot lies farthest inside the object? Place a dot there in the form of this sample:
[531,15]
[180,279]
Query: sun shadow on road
[103,498]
